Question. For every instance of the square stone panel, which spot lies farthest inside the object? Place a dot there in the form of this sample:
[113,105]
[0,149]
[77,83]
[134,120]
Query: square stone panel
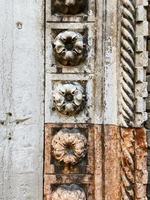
[82,103]
[58,133]
[82,31]
[53,182]
[81,11]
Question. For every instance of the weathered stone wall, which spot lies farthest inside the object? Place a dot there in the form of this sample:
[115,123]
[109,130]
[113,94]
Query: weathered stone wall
[21,100]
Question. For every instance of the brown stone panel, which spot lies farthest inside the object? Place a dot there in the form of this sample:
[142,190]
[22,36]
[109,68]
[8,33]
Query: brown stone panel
[114,167]
[98,162]
[141,174]
[127,142]
[72,179]
[51,182]
[133,163]
[107,162]
[52,166]
[111,162]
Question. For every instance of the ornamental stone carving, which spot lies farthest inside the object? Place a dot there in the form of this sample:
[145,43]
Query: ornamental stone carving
[69,6]
[69,98]
[69,146]
[69,48]
[128,33]
[67,192]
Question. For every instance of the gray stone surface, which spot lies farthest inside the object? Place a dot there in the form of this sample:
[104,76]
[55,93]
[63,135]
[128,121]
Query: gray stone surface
[21,100]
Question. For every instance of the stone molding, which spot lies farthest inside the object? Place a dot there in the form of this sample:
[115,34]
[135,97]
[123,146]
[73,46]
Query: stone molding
[127,62]
[133,163]
[134,60]
[127,164]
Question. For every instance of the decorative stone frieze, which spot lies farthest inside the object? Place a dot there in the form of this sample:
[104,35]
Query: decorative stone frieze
[88,135]
[69,192]
[69,146]
[69,98]
[69,48]
[134,61]
[69,6]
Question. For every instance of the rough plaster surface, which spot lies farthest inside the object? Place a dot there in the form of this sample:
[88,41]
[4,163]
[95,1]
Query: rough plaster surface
[21,100]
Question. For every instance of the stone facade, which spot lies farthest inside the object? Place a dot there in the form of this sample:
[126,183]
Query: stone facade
[88,110]
[77,69]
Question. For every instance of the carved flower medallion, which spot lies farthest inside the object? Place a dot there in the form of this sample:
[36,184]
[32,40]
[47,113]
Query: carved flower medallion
[69,192]
[69,6]
[69,98]
[69,146]
[69,48]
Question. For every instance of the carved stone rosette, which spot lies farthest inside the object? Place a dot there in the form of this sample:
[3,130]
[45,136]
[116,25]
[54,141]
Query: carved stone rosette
[69,48]
[69,146]
[69,98]
[69,6]
[69,192]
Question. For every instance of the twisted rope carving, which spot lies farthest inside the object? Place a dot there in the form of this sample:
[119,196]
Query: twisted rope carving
[127,62]
[127,166]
